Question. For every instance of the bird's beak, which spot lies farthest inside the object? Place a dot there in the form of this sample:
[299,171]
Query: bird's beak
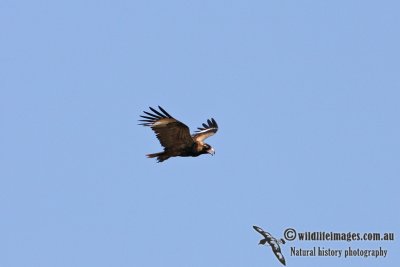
[211,151]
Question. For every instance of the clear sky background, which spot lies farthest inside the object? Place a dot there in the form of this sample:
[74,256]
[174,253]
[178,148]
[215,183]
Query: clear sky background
[306,94]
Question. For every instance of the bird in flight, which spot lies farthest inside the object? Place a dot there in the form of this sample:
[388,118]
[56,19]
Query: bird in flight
[273,242]
[175,136]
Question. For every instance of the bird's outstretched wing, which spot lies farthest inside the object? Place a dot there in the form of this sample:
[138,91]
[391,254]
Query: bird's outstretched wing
[170,132]
[277,251]
[261,231]
[208,129]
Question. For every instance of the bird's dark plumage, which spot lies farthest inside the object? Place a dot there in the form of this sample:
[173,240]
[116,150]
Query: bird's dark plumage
[273,242]
[175,136]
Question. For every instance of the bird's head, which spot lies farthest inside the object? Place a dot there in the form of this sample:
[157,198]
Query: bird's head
[207,149]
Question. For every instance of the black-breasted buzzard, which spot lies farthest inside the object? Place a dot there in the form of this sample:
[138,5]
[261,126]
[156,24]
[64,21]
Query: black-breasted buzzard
[175,136]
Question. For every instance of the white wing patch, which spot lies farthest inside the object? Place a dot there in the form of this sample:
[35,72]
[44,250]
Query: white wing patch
[206,130]
[160,123]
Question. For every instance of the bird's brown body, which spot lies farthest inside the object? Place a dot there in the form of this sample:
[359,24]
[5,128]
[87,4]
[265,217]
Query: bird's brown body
[175,136]
[195,150]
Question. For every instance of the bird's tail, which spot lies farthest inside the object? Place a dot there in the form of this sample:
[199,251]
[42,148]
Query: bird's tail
[160,156]
[262,241]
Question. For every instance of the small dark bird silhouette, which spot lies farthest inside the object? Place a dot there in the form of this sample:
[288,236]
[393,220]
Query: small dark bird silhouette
[273,242]
[175,136]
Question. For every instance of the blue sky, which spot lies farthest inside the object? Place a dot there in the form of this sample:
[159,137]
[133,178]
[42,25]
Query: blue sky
[306,94]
